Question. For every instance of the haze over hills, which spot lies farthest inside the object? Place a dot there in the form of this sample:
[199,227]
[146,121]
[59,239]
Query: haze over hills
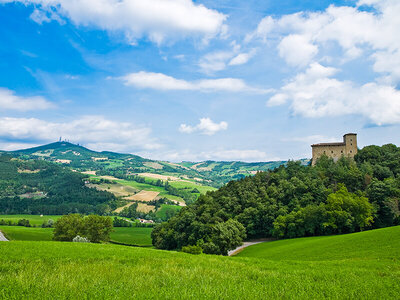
[214,173]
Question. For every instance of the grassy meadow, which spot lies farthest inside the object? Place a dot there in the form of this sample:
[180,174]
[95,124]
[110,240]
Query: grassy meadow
[139,236]
[44,270]
[132,235]
[33,219]
[374,244]
[20,233]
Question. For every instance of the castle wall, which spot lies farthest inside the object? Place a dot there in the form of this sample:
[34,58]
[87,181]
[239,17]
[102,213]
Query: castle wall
[347,148]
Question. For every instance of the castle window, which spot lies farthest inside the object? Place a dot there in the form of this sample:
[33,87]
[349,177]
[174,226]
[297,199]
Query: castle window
[341,151]
[324,152]
[351,151]
[331,151]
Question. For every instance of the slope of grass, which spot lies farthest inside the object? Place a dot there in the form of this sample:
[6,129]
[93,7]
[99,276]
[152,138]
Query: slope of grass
[41,270]
[374,244]
[33,219]
[163,210]
[19,233]
[132,235]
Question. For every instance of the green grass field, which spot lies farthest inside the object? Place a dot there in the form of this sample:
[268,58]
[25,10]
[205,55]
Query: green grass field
[128,235]
[48,270]
[20,233]
[162,211]
[132,235]
[374,244]
[33,219]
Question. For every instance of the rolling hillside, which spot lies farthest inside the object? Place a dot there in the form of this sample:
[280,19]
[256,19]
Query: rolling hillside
[75,270]
[369,245]
[210,173]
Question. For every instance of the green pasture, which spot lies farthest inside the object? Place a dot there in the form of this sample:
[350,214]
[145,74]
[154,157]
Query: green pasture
[20,233]
[191,185]
[374,244]
[132,235]
[128,235]
[33,219]
[41,270]
[162,211]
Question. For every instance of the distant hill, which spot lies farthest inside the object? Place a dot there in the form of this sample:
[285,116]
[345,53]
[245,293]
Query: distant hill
[39,187]
[213,173]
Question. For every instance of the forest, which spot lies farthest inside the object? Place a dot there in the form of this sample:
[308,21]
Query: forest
[39,187]
[292,201]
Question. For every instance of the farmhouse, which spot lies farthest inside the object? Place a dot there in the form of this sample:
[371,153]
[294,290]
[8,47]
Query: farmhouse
[347,148]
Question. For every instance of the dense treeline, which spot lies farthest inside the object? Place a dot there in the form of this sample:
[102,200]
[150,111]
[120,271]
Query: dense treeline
[292,201]
[38,187]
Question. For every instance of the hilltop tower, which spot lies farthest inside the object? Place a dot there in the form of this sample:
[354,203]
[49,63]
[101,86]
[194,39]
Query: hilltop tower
[347,148]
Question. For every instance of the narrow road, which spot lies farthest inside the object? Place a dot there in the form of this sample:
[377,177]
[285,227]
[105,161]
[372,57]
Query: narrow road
[246,244]
[2,237]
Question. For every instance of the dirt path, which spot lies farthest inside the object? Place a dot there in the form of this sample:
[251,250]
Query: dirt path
[247,244]
[2,237]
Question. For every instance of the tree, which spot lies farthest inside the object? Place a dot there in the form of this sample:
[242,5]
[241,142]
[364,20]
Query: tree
[97,228]
[225,236]
[68,227]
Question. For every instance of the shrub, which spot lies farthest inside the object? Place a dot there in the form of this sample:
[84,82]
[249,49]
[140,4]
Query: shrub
[192,249]
[80,239]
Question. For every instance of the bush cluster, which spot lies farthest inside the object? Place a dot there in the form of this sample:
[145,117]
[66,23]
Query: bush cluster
[95,228]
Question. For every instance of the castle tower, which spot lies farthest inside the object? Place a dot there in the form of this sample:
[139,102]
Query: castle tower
[347,148]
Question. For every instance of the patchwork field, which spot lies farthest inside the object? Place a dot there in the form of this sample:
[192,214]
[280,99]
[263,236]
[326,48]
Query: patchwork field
[113,272]
[144,196]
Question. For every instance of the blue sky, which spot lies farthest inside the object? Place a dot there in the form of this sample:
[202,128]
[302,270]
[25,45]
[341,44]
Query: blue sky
[197,80]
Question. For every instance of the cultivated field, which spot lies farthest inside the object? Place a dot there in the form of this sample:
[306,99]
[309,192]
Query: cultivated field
[144,196]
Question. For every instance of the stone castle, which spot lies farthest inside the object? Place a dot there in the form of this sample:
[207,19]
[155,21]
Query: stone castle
[347,148]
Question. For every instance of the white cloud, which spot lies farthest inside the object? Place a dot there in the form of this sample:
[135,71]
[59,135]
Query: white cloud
[156,19]
[297,50]
[373,33]
[206,126]
[10,101]
[242,58]
[159,81]
[215,61]
[219,60]
[94,131]
[315,94]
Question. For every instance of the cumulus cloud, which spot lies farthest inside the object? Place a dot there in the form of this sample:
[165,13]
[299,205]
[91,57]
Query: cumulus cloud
[159,81]
[156,19]
[315,93]
[206,126]
[372,32]
[94,131]
[10,101]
